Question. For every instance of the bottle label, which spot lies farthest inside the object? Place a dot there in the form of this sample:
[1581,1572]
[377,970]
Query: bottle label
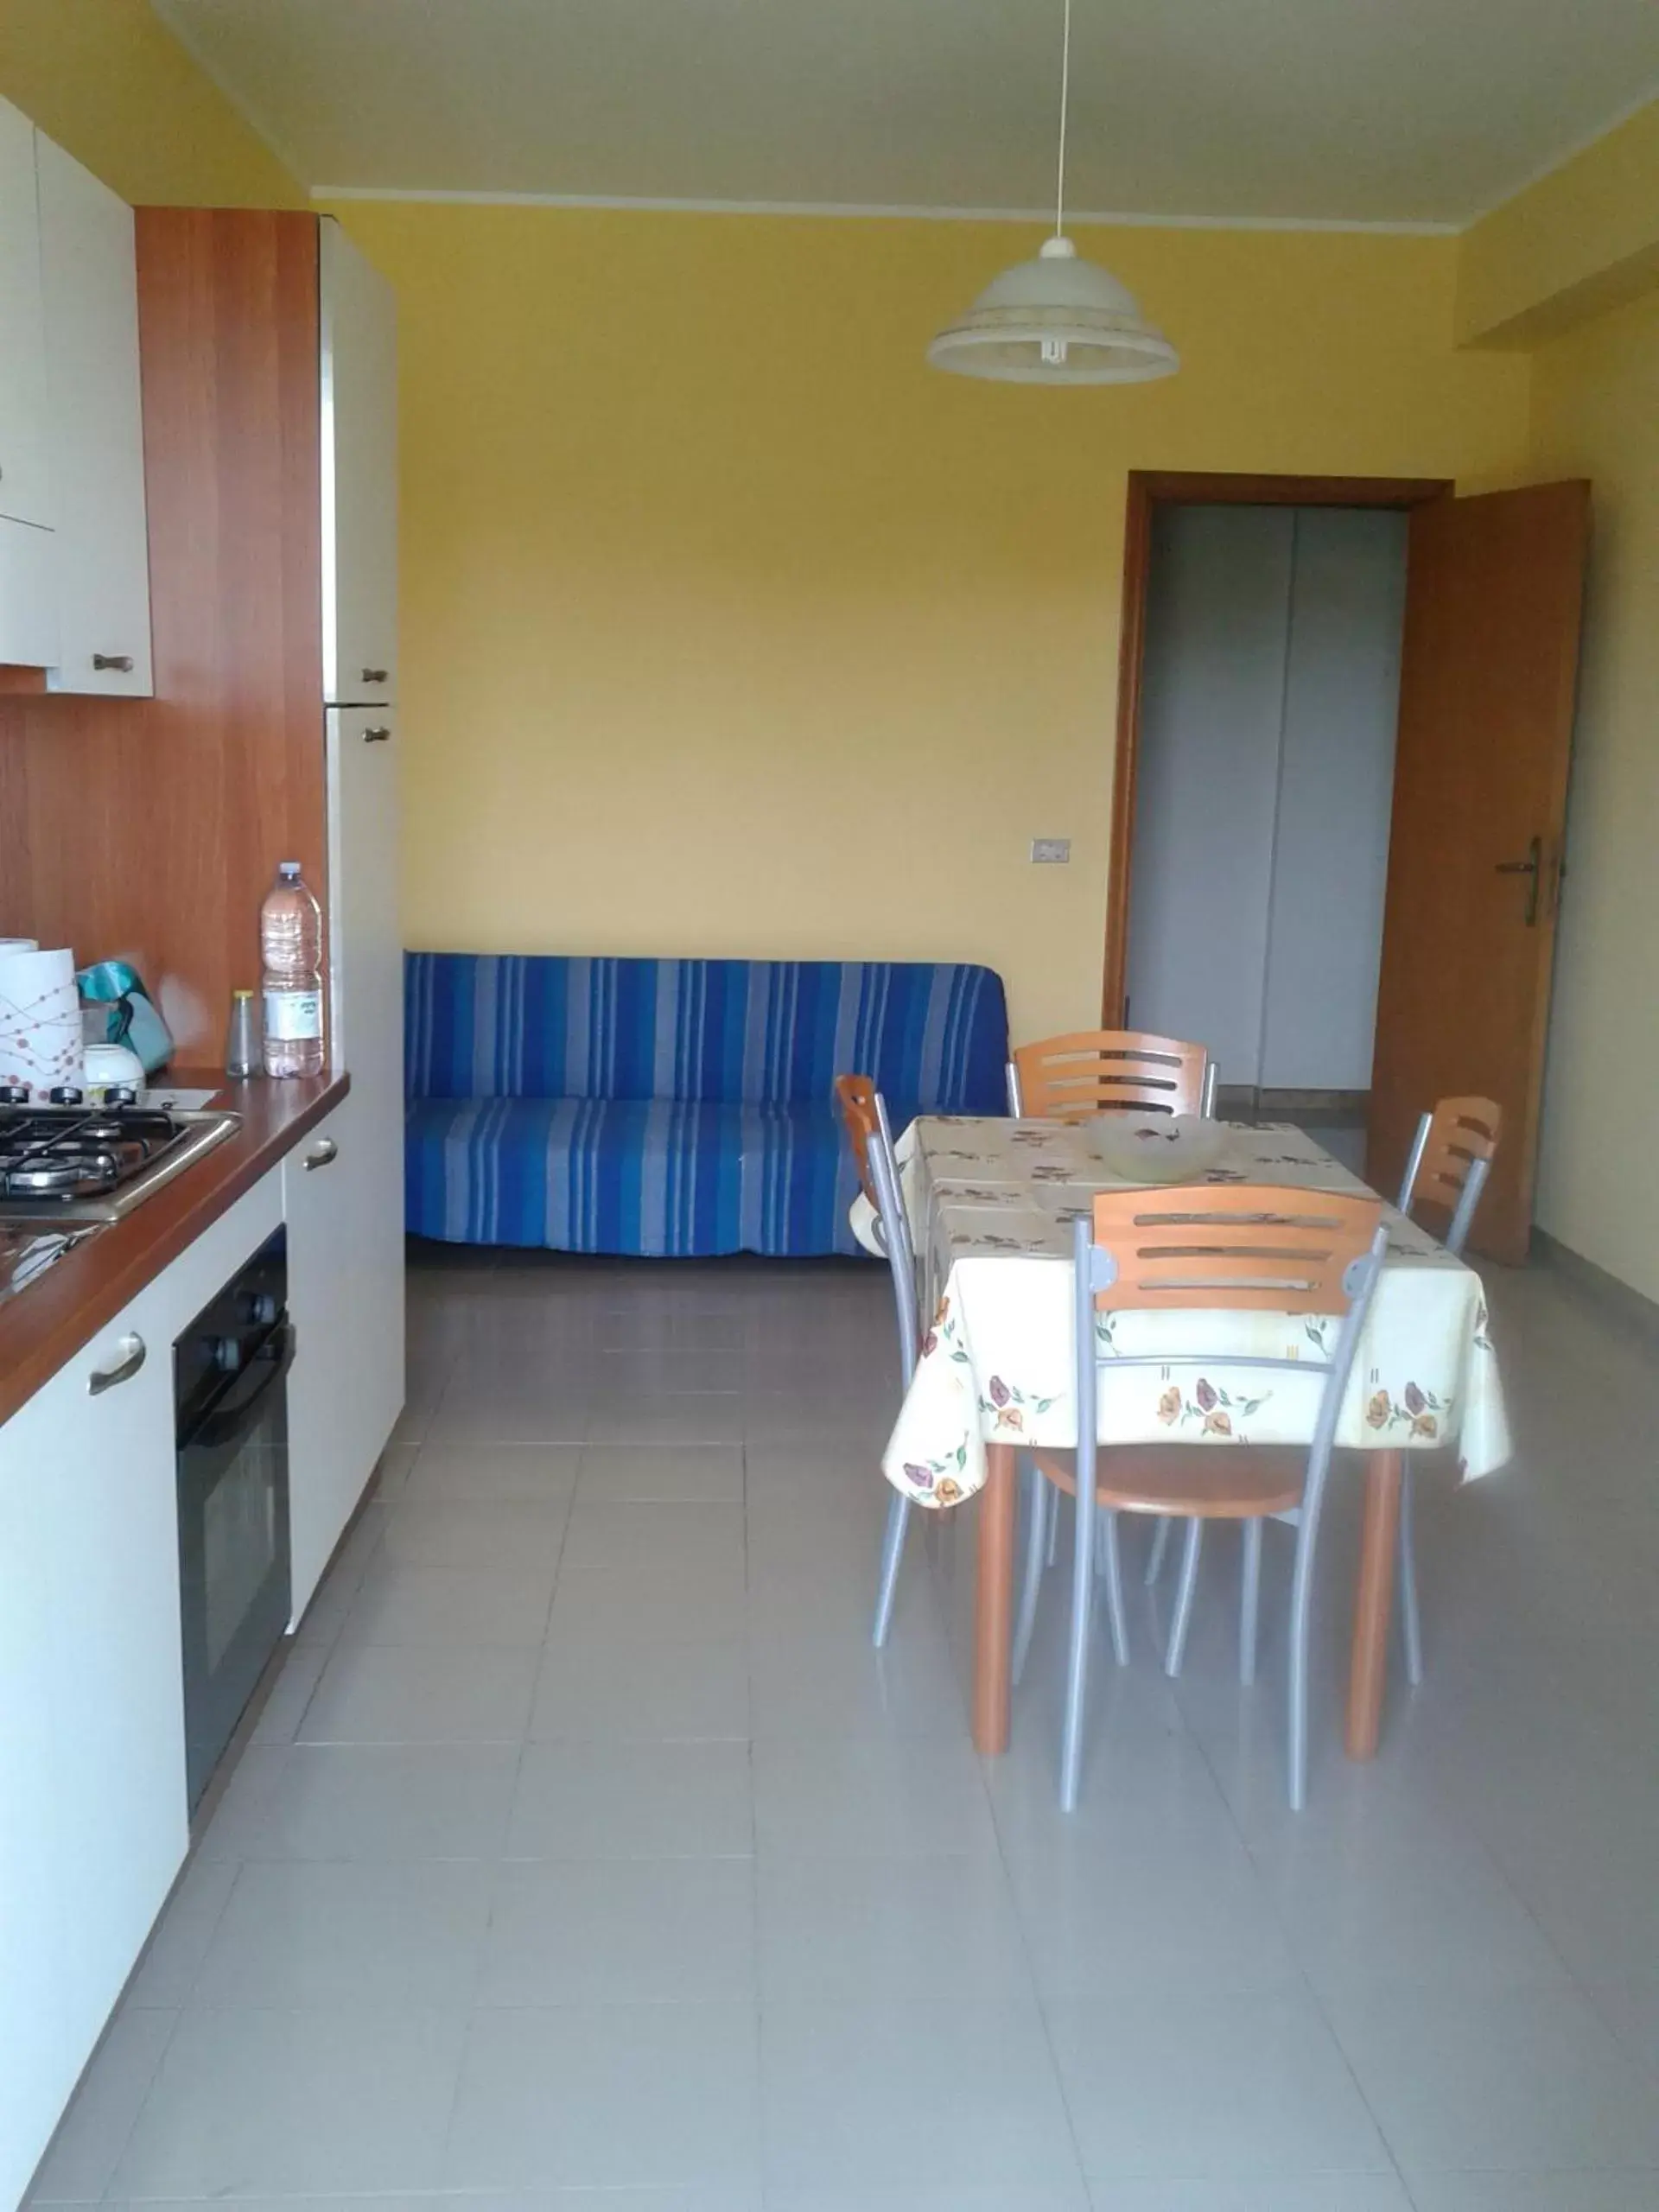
[293,1016]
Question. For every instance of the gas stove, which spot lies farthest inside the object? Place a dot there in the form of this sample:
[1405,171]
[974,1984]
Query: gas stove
[68,1164]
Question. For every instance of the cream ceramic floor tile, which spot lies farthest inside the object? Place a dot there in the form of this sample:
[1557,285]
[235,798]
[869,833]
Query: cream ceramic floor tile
[607,2097]
[296,2103]
[633,1800]
[622,1931]
[419,1693]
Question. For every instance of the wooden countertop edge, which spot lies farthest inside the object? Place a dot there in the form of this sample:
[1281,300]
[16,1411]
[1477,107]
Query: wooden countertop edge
[45,1324]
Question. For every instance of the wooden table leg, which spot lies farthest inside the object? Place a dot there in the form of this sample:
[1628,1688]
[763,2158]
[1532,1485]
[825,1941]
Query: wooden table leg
[1374,1602]
[993,1599]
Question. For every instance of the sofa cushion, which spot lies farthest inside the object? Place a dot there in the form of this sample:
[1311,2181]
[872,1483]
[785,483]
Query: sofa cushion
[668,1179]
[933,1035]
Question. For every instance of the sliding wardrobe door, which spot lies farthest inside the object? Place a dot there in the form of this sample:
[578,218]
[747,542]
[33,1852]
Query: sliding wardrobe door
[1212,707]
[1336,794]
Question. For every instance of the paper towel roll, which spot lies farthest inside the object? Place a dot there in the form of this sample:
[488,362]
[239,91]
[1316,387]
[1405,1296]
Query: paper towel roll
[40,1020]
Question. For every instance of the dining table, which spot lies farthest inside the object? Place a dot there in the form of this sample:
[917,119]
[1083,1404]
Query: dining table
[990,1203]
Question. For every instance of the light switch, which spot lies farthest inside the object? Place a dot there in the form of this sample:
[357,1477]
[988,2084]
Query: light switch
[1053,851]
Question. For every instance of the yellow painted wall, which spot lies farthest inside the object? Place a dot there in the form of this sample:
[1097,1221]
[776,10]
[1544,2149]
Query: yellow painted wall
[1596,413]
[119,92]
[1583,239]
[730,627]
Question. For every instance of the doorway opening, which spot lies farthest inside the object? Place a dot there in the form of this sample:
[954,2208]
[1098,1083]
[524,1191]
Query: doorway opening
[1344,718]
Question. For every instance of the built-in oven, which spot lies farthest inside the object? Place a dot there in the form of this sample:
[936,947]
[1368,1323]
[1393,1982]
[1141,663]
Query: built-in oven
[230,1371]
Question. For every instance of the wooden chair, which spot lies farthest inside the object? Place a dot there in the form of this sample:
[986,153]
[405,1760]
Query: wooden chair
[1071,1079]
[1451,1158]
[1246,1248]
[864,1114]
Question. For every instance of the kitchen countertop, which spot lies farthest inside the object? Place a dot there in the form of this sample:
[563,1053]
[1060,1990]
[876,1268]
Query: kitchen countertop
[48,1323]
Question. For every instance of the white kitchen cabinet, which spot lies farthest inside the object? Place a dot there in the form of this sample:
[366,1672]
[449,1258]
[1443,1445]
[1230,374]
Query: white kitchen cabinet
[25,480]
[29,594]
[93,1816]
[95,431]
[35,2055]
[345,1385]
[359,475]
[365,942]
[95,1796]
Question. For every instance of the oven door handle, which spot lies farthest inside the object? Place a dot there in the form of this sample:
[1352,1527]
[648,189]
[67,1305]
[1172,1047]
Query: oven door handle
[240,1410]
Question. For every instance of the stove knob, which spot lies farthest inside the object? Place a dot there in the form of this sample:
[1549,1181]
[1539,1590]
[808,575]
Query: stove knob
[14,1094]
[228,1354]
[265,1309]
[64,1094]
[121,1094]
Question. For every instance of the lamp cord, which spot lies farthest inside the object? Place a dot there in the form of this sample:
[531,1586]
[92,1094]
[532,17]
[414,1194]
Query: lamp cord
[1066,102]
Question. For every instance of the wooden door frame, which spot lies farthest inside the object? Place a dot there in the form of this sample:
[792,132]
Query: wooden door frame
[1149,488]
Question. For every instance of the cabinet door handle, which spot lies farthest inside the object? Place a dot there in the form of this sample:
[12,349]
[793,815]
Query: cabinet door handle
[120,663]
[378,735]
[133,1354]
[375,675]
[325,1155]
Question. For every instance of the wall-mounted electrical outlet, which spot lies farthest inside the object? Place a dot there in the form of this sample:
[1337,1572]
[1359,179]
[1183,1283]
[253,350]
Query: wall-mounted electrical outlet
[1055,851]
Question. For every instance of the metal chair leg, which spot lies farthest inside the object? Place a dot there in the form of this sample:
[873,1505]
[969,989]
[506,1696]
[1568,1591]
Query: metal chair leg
[1183,1595]
[1076,1667]
[1159,1545]
[1111,1566]
[893,1551]
[1410,1619]
[1249,1597]
[1042,1516]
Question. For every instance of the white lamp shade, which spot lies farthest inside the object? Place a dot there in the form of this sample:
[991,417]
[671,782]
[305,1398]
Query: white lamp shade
[1055,320]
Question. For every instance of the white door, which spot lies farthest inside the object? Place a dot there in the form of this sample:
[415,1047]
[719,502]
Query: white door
[96,432]
[366,955]
[100,1436]
[25,480]
[36,2063]
[342,1395]
[29,594]
[359,475]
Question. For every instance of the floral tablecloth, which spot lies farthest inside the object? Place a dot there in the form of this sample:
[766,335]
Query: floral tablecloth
[991,1204]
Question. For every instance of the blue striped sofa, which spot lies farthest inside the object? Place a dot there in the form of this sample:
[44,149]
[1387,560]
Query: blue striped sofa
[670,1107]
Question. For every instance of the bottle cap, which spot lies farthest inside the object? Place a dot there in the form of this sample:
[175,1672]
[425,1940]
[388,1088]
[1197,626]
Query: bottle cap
[241,994]
[288,867]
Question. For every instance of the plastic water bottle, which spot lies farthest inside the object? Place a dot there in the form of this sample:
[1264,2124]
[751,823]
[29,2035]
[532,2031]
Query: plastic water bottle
[290,947]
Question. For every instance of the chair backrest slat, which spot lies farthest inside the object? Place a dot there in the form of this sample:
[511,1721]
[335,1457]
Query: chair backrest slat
[1461,1131]
[1241,1247]
[1097,1072]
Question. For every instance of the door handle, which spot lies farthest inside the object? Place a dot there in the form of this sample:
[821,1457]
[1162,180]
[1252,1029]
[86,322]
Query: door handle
[1530,867]
[325,1155]
[378,735]
[375,675]
[133,1355]
[120,664]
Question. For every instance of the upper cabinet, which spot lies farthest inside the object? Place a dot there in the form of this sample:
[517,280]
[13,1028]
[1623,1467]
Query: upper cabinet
[29,612]
[25,476]
[359,476]
[75,569]
[96,430]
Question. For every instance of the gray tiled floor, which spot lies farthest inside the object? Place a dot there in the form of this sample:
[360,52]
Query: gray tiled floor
[586,1856]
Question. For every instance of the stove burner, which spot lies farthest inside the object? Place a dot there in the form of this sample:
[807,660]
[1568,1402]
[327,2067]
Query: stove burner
[60,1152]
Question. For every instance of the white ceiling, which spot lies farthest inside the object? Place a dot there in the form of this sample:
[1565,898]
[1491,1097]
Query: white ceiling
[1369,111]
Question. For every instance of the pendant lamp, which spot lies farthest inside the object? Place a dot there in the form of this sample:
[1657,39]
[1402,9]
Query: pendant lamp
[1055,320]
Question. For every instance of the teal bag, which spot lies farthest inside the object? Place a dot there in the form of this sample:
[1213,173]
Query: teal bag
[134,1019]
